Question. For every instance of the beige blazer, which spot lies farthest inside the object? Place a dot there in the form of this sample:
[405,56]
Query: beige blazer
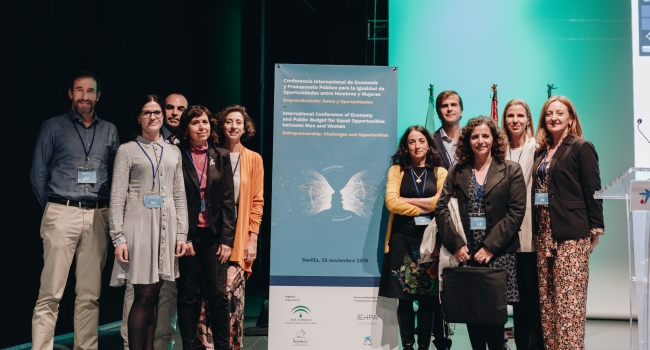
[526,163]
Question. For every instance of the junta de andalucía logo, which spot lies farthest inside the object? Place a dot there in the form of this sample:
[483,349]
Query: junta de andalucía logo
[300,310]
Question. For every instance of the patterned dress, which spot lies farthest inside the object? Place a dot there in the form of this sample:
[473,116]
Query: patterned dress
[505,261]
[563,269]
[403,276]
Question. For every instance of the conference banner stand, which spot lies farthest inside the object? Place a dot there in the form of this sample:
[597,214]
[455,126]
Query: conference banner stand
[634,187]
[335,128]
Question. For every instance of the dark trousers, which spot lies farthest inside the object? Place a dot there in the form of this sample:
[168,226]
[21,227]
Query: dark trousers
[189,300]
[440,330]
[481,334]
[527,322]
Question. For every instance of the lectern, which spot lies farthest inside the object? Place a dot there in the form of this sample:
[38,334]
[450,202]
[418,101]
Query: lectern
[634,187]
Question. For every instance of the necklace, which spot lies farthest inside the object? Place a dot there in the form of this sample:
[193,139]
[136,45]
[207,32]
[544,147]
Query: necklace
[551,150]
[419,177]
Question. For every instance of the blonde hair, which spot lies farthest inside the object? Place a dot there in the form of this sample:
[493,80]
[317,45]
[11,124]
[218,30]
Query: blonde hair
[530,132]
[544,138]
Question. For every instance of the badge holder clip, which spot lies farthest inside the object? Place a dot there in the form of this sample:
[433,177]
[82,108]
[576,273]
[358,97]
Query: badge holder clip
[153,200]
[477,221]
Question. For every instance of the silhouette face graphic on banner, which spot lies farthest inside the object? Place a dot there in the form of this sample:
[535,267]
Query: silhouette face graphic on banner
[357,196]
[318,192]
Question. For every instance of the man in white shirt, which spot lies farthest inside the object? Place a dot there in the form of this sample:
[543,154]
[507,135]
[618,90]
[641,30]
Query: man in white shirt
[449,107]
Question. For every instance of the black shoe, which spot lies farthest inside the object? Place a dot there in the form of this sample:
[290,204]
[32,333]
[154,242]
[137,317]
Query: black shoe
[442,344]
[425,325]
[406,322]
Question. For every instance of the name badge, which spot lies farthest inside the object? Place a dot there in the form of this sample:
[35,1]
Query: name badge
[202,205]
[422,220]
[152,201]
[86,176]
[477,222]
[541,198]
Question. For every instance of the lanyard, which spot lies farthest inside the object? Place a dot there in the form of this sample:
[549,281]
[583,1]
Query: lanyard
[424,185]
[479,190]
[86,152]
[236,165]
[522,152]
[197,170]
[543,165]
[162,149]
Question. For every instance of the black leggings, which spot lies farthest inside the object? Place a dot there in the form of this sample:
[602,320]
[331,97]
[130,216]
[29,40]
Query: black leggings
[481,334]
[143,315]
[424,305]
[429,305]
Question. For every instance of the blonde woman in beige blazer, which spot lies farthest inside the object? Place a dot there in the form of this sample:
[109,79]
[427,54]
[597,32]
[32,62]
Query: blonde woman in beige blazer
[517,123]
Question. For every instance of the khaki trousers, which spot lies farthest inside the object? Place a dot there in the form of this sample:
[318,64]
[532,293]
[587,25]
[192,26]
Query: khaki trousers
[167,315]
[70,232]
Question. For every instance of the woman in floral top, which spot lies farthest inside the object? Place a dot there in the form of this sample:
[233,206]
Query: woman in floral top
[568,222]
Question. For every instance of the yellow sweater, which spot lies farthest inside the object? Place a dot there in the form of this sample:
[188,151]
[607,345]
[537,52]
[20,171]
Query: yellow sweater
[251,203]
[396,206]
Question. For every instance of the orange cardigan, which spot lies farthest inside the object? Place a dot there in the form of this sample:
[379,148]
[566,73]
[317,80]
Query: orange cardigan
[251,203]
[396,206]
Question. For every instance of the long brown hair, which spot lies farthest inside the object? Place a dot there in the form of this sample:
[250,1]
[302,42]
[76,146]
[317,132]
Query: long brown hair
[402,156]
[464,152]
[544,138]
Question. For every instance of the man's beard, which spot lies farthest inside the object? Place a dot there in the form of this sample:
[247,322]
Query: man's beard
[84,109]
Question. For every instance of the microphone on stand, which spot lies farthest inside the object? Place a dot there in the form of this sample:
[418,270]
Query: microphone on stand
[638,124]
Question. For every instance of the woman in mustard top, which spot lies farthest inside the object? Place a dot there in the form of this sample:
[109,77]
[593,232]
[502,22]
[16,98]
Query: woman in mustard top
[412,189]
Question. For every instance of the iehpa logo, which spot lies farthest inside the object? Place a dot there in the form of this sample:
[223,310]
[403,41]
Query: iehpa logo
[367,341]
[646,195]
[300,310]
[369,317]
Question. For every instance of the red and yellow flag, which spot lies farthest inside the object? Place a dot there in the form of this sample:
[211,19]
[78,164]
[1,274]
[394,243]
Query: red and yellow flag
[494,112]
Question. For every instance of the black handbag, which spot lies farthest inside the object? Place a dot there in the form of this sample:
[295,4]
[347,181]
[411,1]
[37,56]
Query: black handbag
[475,295]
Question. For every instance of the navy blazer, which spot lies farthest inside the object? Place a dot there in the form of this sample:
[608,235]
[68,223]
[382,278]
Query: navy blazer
[505,206]
[439,145]
[574,177]
[219,193]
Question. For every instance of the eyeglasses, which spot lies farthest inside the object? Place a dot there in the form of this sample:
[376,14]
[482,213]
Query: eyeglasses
[157,113]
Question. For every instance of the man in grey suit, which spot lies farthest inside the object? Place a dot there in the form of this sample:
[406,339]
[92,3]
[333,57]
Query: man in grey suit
[175,105]
[449,107]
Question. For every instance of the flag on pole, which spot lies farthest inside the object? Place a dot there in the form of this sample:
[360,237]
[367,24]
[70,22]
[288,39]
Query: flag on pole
[494,112]
[551,87]
[430,123]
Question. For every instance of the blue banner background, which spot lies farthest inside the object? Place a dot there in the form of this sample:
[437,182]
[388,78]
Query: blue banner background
[327,212]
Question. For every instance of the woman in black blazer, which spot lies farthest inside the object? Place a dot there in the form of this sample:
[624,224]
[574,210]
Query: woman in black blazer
[491,194]
[207,173]
[567,221]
